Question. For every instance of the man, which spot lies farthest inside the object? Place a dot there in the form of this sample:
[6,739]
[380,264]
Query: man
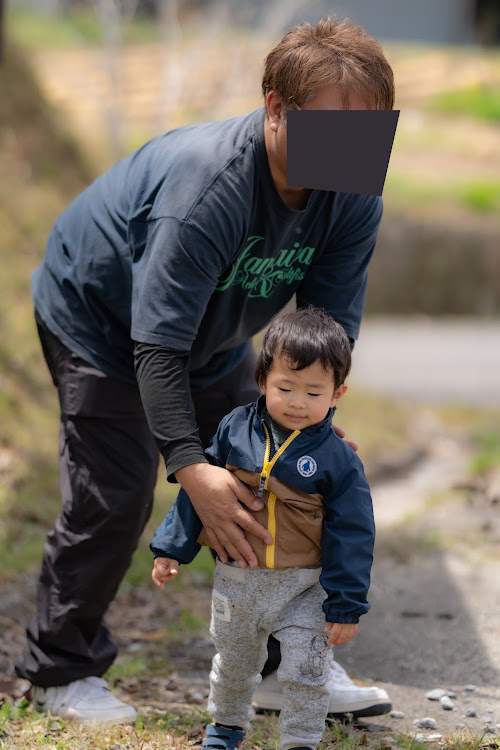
[153,283]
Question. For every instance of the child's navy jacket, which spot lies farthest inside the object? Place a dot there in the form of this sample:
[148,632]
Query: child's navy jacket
[318,506]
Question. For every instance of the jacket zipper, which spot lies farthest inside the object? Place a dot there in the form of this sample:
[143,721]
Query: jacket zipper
[271,502]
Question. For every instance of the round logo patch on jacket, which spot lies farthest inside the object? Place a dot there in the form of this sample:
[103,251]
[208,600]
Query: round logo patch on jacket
[306,466]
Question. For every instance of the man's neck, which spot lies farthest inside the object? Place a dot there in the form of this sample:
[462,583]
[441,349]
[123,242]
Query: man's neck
[295,198]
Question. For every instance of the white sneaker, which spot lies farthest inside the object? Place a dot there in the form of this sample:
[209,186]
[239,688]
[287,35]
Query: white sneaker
[345,696]
[84,701]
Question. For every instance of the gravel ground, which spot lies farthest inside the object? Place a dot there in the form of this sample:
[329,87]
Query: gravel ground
[435,595]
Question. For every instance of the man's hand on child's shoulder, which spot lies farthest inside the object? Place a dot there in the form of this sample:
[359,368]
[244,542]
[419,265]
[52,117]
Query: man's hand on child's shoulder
[340,632]
[164,570]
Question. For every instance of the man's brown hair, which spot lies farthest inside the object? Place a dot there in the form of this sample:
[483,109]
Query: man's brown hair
[332,53]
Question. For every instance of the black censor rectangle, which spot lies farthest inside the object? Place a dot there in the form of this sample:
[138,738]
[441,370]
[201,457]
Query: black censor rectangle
[343,150]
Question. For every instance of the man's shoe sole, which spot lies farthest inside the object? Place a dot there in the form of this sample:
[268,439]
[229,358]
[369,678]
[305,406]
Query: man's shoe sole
[373,710]
[274,704]
[377,710]
[106,722]
[344,701]
[76,718]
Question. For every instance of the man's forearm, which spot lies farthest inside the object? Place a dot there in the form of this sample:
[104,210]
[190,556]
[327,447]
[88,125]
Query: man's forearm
[163,378]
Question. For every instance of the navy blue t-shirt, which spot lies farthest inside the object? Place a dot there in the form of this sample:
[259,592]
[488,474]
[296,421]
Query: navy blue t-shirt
[187,244]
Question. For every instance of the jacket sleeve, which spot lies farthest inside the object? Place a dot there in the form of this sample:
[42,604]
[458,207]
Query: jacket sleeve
[219,446]
[177,535]
[347,546]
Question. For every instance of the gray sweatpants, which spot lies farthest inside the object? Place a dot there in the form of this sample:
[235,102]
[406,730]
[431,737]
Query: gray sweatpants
[249,605]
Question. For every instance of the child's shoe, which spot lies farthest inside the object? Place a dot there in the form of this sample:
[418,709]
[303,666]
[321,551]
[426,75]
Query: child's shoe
[222,738]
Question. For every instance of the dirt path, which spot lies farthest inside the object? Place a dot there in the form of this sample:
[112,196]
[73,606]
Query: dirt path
[425,360]
[435,597]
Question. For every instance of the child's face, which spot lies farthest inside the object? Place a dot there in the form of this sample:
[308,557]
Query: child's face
[296,399]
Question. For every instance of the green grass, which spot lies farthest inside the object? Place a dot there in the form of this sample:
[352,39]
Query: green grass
[477,196]
[480,195]
[488,451]
[478,101]
[24,729]
[72,27]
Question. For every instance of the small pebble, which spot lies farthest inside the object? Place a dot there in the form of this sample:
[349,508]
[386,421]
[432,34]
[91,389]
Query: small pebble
[447,703]
[486,719]
[490,710]
[373,728]
[428,737]
[452,694]
[490,729]
[470,688]
[436,694]
[426,723]
[194,696]
[471,712]
[134,648]
[397,715]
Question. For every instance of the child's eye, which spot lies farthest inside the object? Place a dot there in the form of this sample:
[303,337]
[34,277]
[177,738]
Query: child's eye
[315,395]
[285,390]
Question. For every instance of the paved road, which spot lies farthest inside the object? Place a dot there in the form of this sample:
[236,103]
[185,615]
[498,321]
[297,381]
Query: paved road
[430,360]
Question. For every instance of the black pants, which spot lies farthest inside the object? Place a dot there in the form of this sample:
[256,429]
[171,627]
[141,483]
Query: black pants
[108,464]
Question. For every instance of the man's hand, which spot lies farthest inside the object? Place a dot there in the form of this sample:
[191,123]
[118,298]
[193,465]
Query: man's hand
[341,433]
[215,493]
[165,568]
[340,632]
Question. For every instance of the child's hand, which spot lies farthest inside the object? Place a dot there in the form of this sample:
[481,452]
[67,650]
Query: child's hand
[340,632]
[164,570]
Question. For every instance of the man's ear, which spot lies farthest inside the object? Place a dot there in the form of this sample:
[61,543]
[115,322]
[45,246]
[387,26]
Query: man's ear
[339,392]
[274,110]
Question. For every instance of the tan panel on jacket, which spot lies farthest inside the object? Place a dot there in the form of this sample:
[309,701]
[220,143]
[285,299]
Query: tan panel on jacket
[296,516]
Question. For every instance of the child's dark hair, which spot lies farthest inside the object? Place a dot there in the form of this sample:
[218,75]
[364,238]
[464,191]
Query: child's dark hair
[304,337]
